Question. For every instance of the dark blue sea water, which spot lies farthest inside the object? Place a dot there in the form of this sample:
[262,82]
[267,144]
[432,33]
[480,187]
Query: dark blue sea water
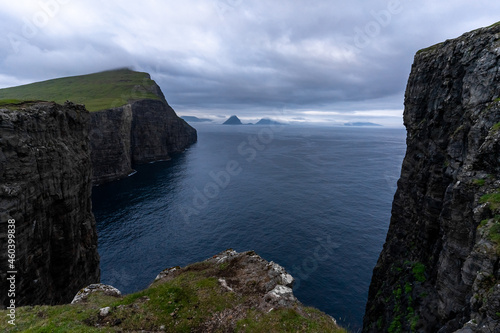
[316,200]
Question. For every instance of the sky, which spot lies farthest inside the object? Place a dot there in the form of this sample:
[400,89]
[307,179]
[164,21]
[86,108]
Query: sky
[297,61]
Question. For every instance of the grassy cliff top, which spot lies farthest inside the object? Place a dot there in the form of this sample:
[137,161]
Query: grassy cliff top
[97,91]
[226,293]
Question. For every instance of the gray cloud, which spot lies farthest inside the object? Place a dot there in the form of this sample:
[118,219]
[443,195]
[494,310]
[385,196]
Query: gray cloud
[318,60]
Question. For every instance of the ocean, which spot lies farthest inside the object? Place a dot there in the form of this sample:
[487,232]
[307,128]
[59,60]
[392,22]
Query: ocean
[316,200]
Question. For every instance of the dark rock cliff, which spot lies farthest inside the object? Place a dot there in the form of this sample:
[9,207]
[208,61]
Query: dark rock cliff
[142,131]
[439,268]
[45,186]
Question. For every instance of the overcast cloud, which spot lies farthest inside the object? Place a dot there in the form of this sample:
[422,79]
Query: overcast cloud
[293,60]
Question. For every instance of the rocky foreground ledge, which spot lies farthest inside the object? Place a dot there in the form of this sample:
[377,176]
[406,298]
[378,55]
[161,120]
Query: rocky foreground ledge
[229,292]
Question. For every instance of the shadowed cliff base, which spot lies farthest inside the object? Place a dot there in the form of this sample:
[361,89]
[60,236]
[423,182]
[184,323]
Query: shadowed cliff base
[439,268]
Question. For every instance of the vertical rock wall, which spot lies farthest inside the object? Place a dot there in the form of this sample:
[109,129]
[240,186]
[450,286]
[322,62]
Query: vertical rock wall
[439,268]
[111,143]
[45,186]
[141,132]
[157,132]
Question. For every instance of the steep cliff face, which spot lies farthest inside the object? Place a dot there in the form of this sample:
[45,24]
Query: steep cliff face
[158,132]
[439,268]
[143,131]
[110,142]
[45,186]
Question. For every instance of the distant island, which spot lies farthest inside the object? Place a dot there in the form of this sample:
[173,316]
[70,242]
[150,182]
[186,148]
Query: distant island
[233,120]
[193,119]
[361,124]
[267,121]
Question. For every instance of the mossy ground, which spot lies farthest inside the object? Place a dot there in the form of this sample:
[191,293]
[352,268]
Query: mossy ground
[97,91]
[286,320]
[492,199]
[184,304]
[491,229]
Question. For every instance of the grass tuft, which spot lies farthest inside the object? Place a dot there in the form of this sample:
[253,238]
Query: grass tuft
[286,320]
[479,182]
[419,272]
[493,199]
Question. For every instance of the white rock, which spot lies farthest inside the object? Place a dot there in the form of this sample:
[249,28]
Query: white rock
[104,311]
[165,272]
[285,278]
[281,291]
[281,296]
[223,283]
[82,295]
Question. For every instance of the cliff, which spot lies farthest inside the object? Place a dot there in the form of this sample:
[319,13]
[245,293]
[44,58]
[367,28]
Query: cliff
[139,132]
[45,186]
[142,131]
[439,268]
[229,292]
[131,121]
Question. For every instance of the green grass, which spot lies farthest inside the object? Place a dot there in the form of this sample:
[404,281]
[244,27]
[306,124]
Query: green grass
[492,230]
[493,199]
[10,101]
[494,233]
[97,91]
[408,288]
[419,272]
[396,326]
[493,25]
[479,182]
[286,320]
[182,304]
[496,127]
